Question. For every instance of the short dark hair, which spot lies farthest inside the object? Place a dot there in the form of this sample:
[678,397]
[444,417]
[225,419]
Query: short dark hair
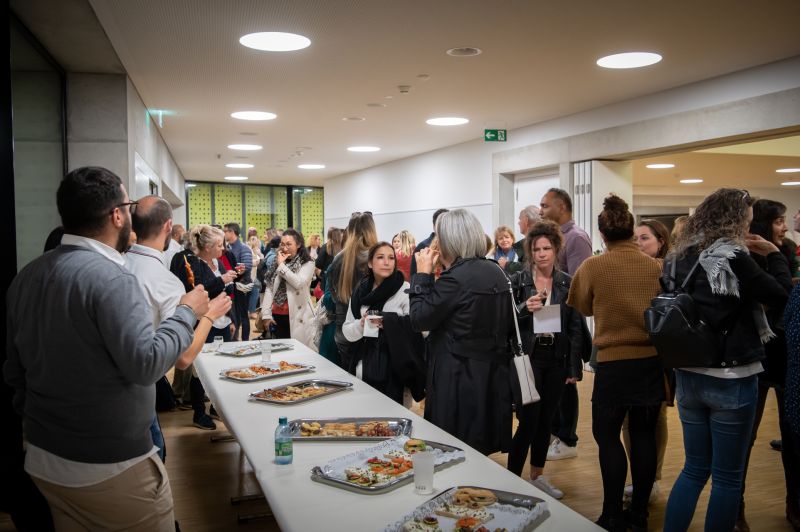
[563,196]
[147,222]
[233,226]
[438,213]
[85,199]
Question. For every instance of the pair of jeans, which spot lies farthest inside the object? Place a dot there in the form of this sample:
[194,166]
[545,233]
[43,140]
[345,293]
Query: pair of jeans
[535,419]
[717,417]
[158,438]
[565,421]
[254,296]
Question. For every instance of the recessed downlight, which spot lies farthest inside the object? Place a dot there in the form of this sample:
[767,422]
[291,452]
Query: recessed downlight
[235,178]
[190,185]
[275,41]
[787,170]
[660,166]
[363,149]
[254,115]
[376,104]
[309,166]
[245,147]
[791,183]
[629,60]
[353,119]
[239,165]
[447,121]
[691,181]
[464,51]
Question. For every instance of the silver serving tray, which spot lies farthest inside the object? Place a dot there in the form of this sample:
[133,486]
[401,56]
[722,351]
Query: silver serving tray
[258,377]
[526,502]
[277,347]
[318,475]
[401,426]
[334,387]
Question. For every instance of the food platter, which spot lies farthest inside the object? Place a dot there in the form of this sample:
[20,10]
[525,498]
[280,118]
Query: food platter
[264,370]
[349,428]
[382,467]
[251,348]
[300,392]
[475,508]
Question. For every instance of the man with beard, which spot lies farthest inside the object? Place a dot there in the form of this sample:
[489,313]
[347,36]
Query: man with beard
[82,359]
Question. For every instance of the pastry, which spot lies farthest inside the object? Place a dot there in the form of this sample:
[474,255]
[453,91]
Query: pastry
[414,446]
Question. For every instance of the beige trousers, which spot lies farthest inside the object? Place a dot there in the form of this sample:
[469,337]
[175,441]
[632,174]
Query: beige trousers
[662,434]
[138,499]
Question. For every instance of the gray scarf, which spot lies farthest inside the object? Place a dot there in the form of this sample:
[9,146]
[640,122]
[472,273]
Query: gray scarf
[294,264]
[715,261]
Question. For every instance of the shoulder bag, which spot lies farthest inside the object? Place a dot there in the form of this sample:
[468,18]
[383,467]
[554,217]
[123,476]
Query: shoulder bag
[522,362]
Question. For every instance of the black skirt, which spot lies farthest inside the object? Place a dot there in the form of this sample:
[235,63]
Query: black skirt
[636,382]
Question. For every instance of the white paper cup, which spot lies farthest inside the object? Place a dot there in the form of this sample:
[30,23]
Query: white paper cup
[370,326]
[423,472]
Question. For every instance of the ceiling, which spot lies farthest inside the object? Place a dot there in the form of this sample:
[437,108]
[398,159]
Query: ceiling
[538,62]
[744,165]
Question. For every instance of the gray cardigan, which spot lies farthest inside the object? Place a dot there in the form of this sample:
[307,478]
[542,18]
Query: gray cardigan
[83,356]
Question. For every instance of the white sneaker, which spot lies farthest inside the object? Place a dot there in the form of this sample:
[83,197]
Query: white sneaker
[559,451]
[544,484]
[654,493]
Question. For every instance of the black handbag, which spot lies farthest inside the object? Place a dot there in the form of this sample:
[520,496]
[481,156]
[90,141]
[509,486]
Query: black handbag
[676,328]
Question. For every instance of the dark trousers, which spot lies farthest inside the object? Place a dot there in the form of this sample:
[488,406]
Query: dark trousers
[565,422]
[606,426]
[535,419]
[195,386]
[241,317]
[282,326]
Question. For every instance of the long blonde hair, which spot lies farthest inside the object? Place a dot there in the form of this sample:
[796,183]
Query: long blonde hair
[407,242]
[360,237]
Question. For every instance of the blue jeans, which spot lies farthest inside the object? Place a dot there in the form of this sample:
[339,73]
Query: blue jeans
[717,417]
[158,438]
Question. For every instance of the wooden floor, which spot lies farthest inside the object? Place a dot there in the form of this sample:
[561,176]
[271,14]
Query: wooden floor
[205,475]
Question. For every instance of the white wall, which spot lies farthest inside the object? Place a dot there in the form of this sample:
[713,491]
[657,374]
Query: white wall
[146,145]
[470,174]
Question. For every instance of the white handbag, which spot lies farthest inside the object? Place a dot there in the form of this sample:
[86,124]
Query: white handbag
[522,362]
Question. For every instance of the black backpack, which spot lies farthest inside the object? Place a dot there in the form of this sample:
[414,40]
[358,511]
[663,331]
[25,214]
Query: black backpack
[676,328]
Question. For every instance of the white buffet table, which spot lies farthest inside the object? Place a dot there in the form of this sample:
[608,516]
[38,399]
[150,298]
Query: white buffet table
[300,504]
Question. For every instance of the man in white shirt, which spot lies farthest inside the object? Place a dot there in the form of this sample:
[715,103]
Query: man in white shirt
[174,244]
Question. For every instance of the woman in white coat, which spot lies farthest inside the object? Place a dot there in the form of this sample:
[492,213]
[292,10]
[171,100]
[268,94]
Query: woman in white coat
[381,295]
[287,300]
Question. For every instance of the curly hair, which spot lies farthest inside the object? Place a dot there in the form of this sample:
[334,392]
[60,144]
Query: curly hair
[720,215]
[615,221]
[543,229]
[661,233]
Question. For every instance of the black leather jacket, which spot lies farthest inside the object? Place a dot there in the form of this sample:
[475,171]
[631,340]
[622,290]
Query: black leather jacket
[571,342]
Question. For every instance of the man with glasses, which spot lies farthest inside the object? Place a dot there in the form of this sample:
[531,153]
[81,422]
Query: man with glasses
[83,359]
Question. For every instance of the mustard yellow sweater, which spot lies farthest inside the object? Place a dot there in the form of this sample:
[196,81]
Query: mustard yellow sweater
[616,287]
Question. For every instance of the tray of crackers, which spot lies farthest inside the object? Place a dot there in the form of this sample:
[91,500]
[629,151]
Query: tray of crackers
[264,370]
[385,466]
[300,392]
[349,428]
[474,509]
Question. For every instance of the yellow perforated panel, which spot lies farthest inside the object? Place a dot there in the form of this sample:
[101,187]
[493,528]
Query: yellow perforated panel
[199,200]
[311,212]
[258,207]
[281,220]
[227,204]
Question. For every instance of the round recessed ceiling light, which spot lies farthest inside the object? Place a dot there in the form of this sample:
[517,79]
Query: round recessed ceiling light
[311,166]
[787,170]
[190,185]
[464,51]
[659,166]
[245,147]
[235,178]
[274,41]
[353,119]
[254,115]
[691,181]
[363,149]
[629,60]
[239,165]
[446,121]
[790,183]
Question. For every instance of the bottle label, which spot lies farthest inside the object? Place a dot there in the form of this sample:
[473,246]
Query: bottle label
[283,448]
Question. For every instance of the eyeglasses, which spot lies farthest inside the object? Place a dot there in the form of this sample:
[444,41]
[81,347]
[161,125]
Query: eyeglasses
[131,204]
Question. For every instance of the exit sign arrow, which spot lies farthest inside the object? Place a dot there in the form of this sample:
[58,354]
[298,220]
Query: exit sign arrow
[494,135]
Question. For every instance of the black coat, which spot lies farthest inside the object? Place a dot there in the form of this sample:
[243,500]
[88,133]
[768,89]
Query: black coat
[734,315]
[570,346]
[468,312]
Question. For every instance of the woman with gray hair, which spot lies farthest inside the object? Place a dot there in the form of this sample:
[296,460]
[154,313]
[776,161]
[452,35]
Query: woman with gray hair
[468,312]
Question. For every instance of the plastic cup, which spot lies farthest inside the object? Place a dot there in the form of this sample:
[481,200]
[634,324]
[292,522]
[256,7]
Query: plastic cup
[218,341]
[423,472]
[266,351]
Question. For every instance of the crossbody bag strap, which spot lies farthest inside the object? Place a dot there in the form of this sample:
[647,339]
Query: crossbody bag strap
[690,275]
[513,310]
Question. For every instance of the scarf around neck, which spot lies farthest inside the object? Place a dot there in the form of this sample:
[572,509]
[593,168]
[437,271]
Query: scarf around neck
[715,260]
[375,298]
[294,264]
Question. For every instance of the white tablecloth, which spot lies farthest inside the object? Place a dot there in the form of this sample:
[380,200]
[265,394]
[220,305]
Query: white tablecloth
[300,504]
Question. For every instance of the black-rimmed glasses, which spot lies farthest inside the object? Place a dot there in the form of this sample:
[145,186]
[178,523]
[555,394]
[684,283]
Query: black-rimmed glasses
[131,204]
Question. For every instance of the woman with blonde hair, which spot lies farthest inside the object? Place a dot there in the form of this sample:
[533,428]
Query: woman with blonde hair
[347,270]
[503,251]
[404,244]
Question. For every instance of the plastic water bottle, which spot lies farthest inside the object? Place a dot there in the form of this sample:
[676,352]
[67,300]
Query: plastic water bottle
[283,442]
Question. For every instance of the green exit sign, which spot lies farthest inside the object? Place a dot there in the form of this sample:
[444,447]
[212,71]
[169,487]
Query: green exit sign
[494,135]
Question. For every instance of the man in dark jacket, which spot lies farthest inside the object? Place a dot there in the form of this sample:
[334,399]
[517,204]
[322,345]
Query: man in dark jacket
[244,256]
[425,243]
